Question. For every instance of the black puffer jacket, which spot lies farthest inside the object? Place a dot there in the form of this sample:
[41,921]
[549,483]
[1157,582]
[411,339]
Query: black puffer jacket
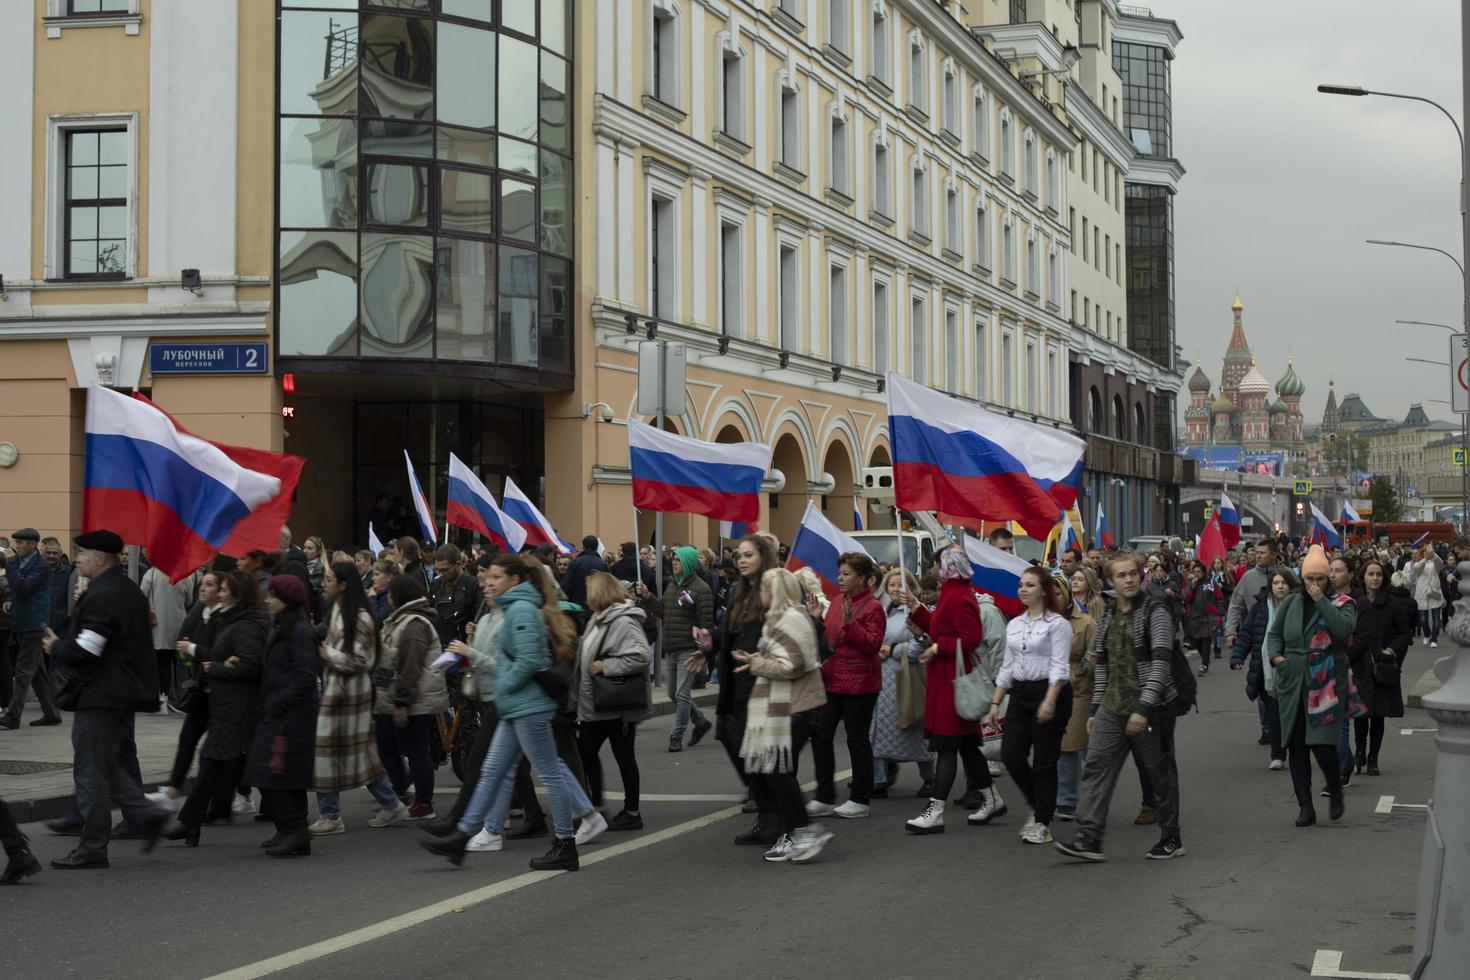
[288,707]
[233,691]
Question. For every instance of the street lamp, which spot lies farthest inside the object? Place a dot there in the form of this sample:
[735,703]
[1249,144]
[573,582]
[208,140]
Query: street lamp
[1426,248]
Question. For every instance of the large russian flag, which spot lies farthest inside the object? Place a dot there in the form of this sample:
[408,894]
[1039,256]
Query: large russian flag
[155,485]
[421,503]
[518,507]
[1229,522]
[675,474]
[1322,530]
[963,459]
[998,574]
[471,507]
[1101,536]
[818,545]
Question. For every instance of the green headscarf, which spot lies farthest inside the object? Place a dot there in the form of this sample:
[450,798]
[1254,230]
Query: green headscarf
[688,562]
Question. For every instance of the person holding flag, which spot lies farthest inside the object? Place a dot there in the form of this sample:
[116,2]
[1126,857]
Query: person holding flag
[687,607]
[1423,575]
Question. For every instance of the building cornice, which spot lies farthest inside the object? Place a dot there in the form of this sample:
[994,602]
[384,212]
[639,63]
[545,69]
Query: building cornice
[1088,346]
[75,321]
[1097,127]
[1029,40]
[1157,171]
[1155,31]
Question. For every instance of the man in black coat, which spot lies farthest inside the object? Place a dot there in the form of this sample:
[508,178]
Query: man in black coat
[454,595]
[588,561]
[107,659]
[630,569]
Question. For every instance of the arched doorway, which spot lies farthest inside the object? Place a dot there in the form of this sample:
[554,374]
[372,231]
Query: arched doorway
[838,504]
[786,506]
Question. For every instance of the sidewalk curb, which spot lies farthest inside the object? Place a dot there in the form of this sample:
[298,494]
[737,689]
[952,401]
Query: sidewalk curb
[1428,684]
[52,807]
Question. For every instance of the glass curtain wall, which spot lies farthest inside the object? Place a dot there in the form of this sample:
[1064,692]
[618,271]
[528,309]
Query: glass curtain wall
[424,167]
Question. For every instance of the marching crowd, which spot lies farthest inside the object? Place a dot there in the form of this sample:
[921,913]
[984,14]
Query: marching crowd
[308,671]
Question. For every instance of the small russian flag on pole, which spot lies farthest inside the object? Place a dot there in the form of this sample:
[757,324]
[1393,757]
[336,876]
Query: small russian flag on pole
[1323,532]
[471,507]
[420,503]
[1229,522]
[818,545]
[998,574]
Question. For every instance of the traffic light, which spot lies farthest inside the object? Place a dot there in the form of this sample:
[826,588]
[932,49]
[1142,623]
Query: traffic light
[1299,508]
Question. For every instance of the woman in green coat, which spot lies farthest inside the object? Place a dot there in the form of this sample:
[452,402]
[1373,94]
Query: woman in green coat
[1307,645]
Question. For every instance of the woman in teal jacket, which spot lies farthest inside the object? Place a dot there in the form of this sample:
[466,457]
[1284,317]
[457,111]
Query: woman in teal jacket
[525,712]
[1307,644]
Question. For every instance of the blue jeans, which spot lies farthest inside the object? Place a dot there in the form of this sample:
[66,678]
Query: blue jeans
[1344,743]
[500,809]
[1429,624]
[530,734]
[681,682]
[1069,776]
[329,805]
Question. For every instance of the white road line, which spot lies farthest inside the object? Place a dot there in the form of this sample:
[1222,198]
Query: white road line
[1385,805]
[337,944]
[1328,963]
[1410,731]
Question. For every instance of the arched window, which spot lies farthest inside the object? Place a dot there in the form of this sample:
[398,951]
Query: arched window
[1120,419]
[1140,431]
[1094,412]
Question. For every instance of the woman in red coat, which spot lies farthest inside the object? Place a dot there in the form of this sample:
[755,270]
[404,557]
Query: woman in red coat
[854,626]
[953,623]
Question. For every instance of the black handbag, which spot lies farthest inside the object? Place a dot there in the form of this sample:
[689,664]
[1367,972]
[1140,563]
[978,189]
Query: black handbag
[553,684]
[619,694]
[68,684]
[1386,668]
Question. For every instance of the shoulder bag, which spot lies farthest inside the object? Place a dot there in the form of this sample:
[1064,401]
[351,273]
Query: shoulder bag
[628,692]
[1386,668]
[911,687]
[973,691]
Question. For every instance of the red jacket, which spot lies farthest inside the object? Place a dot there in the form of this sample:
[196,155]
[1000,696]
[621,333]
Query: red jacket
[955,617]
[855,631]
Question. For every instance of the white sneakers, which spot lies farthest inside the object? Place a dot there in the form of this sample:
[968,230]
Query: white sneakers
[991,806]
[592,827]
[1039,833]
[816,808]
[386,818]
[1030,823]
[931,821]
[1276,765]
[327,826]
[164,799]
[851,810]
[800,847]
[1433,644]
[241,805]
[779,851]
[484,842]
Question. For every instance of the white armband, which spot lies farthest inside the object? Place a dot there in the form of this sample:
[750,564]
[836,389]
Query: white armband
[92,642]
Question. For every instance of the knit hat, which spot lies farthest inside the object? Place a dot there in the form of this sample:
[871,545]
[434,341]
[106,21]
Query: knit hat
[289,589]
[955,564]
[1315,563]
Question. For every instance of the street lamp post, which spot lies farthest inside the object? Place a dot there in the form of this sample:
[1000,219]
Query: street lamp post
[1441,941]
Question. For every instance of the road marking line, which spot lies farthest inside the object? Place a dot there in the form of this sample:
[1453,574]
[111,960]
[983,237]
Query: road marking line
[1328,963]
[1410,731]
[1386,804]
[398,923]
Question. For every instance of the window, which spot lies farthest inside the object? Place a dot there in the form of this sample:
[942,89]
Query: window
[982,359]
[1107,183]
[732,286]
[95,203]
[1109,325]
[1053,278]
[882,181]
[838,34]
[1082,152]
[1033,379]
[952,220]
[1008,251]
[1084,238]
[979,125]
[918,339]
[953,369]
[664,62]
[880,328]
[1053,384]
[1147,120]
[1118,264]
[1031,172]
[949,111]
[918,75]
[1120,419]
[1108,256]
[732,95]
[837,314]
[791,125]
[1018,11]
[1053,202]
[1096,247]
[841,150]
[1007,148]
[83,7]
[982,233]
[663,252]
[1086,312]
[919,202]
[791,8]
[1033,266]
[1095,412]
[878,40]
[1072,229]
[789,300]
[1007,369]
[1072,310]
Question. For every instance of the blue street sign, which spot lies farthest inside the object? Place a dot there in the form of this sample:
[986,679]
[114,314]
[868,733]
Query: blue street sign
[207,359]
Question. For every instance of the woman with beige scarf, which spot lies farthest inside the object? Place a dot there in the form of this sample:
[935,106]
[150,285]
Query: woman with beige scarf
[787,689]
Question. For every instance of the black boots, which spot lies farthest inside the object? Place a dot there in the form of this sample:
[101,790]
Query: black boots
[1334,797]
[1306,814]
[763,832]
[295,844]
[188,833]
[1372,767]
[561,857]
[451,847]
[22,864]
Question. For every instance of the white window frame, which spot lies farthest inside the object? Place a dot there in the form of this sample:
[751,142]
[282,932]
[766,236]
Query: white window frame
[661,187]
[839,150]
[1053,186]
[795,9]
[1030,157]
[1053,387]
[1033,264]
[732,58]
[983,257]
[732,322]
[919,334]
[1032,368]
[1008,249]
[953,367]
[882,322]
[1053,276]
[919,217]
[839,304]
[882,175]
[57,128]
[918,72]
[953,239]
[1007,144]
[979,124]
[57,19]
[663,16]
[950,100]
[790,122]
[839,27]
[1008,368]
[790,335]
[982,357]
[879,52]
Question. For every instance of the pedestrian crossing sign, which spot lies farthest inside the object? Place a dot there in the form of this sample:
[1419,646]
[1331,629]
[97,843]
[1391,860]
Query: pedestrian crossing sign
[1301,488]
[1459,457]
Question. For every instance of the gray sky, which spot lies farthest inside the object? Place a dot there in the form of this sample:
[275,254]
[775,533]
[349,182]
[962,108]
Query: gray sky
[1283,185]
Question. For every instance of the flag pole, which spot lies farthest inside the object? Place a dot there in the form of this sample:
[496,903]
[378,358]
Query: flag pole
[898,534]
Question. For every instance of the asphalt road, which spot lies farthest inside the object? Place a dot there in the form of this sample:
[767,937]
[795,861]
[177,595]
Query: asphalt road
[1253,897]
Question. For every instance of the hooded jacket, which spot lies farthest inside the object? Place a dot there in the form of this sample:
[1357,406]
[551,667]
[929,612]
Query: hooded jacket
[687,604]
[523,652]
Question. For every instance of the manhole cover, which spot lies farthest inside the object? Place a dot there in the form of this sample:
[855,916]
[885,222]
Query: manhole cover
[9,767]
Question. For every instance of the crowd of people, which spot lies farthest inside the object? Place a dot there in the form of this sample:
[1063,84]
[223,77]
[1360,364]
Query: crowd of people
[305,674]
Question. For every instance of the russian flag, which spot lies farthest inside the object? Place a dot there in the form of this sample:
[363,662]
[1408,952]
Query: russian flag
[155,485]
[966,460]
[1100,533]
[998,574]
[1322,530]
[1229,522]
[735,530]
[818,545]
[857,516]
[421,503]
[518,507]
[471,507]
[675,474]
[1348,513]
[1067,540]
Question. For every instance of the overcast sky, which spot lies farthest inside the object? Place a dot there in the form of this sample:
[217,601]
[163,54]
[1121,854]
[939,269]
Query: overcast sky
[1283,184]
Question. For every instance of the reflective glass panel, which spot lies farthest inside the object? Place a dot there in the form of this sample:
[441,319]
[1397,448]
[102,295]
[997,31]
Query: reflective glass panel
[556,226]
[318,62]
[397,4]
[397,138]
[517,98]
[517,210]
[470,9]
[465,284]
[466,86]
[517,157]
[318,173]
[397,296]
[465,146]
[318,283]
[554,25]
[553,101]
[519,288]
[397,194]
[556,300]
[397,67]
[519,15]
[465,202]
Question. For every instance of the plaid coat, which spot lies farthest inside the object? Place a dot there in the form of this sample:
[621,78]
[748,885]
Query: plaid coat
[346,751]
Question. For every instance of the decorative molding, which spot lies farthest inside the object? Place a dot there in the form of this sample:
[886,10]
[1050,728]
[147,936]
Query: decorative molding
[56,19]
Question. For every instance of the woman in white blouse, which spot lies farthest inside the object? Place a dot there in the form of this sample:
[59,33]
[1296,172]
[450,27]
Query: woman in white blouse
[1035,674]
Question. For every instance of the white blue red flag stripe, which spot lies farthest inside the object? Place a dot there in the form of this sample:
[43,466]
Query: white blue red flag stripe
[675,474]
[997,573]
[157,486]
[857,516]
[1229,522]
[965,460]
[1067,540]
[818,545]
[471,507]
[735,530]
[374,545]
[420,502]
[1348,513]
[1101,536]
[518,507]
[1322,530]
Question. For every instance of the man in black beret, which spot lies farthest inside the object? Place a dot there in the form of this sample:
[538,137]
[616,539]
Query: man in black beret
[106,672]
[30,609]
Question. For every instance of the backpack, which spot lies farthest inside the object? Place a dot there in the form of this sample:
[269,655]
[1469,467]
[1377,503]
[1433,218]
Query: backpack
[1186,685]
